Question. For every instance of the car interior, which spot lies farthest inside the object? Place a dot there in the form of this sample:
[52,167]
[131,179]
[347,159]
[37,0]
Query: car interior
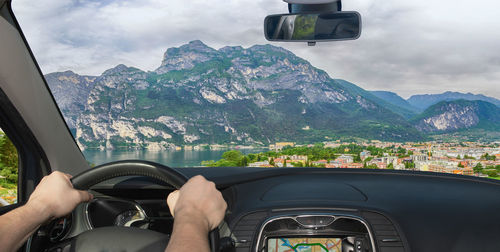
[359,210]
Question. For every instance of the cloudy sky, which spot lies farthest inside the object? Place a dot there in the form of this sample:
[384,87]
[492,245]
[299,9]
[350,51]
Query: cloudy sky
[407,46]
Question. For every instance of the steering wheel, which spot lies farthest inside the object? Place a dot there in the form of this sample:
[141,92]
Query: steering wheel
[124,238]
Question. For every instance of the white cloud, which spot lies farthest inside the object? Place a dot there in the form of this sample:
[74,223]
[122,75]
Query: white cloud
[407,46]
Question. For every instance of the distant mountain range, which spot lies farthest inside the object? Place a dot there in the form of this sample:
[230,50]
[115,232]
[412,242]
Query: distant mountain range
[200,95]
[397,103]
[419,103]
[459,115]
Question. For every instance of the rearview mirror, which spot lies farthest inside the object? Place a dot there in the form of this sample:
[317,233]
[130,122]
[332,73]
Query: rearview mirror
[345,25]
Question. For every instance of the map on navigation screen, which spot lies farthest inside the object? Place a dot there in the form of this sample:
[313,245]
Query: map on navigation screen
[304,245]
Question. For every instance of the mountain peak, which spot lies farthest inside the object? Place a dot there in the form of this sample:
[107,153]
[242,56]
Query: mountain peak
[117,69]
[193,46]
[186,56]
[197,43]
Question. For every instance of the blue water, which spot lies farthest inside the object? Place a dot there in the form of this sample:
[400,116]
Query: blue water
[182,158]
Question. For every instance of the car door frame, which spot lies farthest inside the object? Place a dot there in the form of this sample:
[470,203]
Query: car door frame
[33,163]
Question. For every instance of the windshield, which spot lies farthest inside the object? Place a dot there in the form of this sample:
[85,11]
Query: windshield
[195,83]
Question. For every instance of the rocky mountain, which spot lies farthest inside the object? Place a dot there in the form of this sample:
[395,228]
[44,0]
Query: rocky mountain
[198,94]
[71,92]
[396,100]
[424,101]
[456,115]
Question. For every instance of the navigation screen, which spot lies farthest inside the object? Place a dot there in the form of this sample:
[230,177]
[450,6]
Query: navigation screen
[304,244]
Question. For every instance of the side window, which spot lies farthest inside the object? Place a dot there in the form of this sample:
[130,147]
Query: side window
[8,170]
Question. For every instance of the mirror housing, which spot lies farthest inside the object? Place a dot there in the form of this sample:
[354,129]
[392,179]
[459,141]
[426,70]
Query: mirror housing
[313,27]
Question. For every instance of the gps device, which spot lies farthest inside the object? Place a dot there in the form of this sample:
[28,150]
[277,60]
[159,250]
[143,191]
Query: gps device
[282,244]
[315,233]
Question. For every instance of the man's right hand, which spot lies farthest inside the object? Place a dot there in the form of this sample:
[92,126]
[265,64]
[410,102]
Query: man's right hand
[198,201]
[55,196]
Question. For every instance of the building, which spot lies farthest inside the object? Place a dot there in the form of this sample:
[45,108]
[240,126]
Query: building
[364,154]
[345,159]
[280,145]
[331,144]
[419,158]
[352,165]
[259,164]
[453,170]
[294,158]
[333,164]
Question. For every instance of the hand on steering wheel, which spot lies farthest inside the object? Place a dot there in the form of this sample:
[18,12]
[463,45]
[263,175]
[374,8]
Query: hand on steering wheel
[132,239]
[197,207]
[198,197]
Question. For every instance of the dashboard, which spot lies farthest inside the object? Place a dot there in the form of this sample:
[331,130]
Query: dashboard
[292,209]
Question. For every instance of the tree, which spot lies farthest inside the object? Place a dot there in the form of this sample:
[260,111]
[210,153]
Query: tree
[8,160]
[357,158]
[401,150]
[492,173]
[390,166]
[232,155]
[409,165]
[460,165]
[478,168]
[252,157]
[486,156]
[244,161]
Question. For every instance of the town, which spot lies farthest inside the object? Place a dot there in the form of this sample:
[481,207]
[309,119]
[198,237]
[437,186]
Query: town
[464,158]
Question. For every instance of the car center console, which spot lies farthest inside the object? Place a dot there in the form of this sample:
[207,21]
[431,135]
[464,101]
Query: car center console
[320,229]
[320,232]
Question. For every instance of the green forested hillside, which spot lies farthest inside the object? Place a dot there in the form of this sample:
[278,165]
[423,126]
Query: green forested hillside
[8,169]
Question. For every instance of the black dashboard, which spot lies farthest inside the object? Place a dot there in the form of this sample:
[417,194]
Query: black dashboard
[353,209]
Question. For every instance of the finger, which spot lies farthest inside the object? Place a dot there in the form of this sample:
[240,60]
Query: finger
[69,176]
[84,196]
[172,201]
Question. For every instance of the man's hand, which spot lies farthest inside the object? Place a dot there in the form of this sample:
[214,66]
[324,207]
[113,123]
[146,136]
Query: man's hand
[197,207]
[198,198]
[55,196]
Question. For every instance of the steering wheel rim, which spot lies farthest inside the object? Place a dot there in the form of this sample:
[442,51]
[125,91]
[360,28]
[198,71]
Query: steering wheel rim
[89,178]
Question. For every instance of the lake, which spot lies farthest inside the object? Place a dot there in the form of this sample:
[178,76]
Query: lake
[172,158]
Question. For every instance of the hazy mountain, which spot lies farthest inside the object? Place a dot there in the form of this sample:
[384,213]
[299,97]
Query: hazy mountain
[424,101]
[257,95]
[381,102]
[458,115]
[396,100]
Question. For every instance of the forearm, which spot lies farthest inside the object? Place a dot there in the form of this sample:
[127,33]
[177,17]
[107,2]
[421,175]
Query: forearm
[17,225]
[189,234]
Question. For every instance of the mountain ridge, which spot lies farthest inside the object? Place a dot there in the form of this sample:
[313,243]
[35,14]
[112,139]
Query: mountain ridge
[449,116]
[396,100]
[423,101]
[256,95]
[233,95]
